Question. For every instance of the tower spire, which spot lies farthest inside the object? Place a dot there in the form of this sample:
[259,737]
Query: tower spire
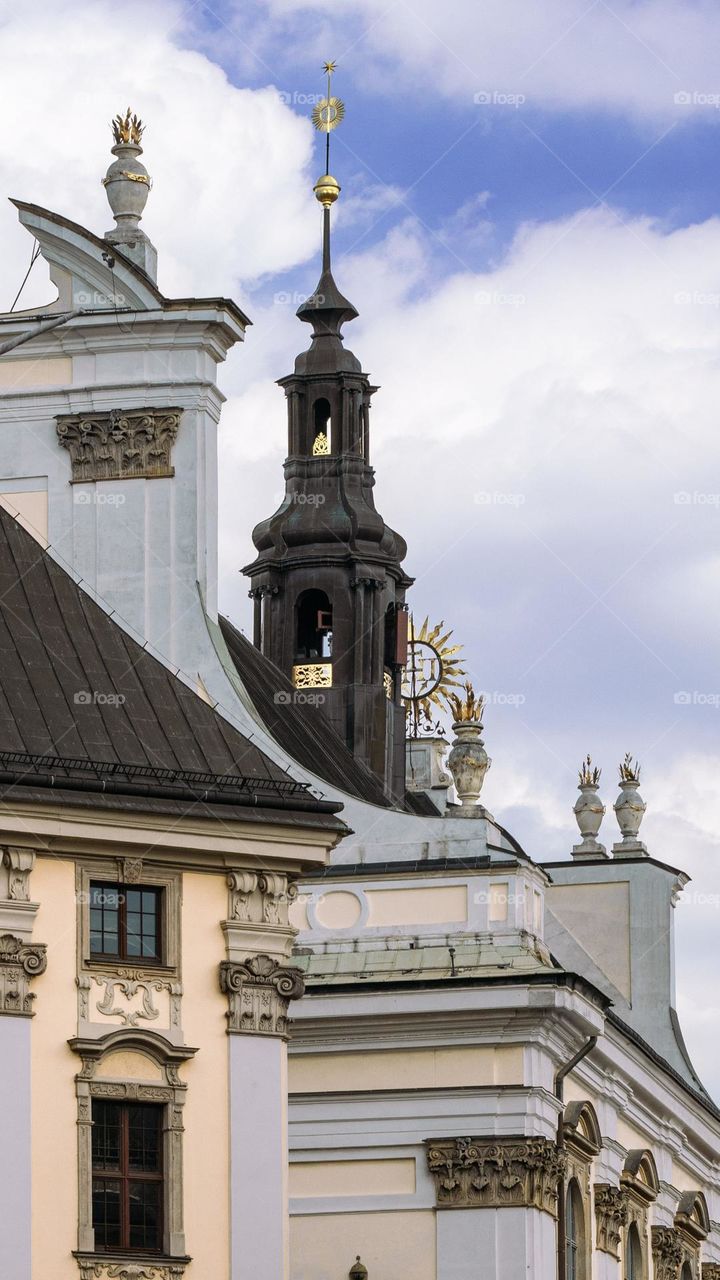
[327,309]
[328,582]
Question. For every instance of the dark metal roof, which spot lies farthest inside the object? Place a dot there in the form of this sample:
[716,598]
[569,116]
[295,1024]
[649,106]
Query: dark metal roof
[302,729]
[84,707]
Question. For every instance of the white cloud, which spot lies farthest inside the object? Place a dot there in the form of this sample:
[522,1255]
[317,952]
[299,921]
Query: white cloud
[232,198]
[569,54]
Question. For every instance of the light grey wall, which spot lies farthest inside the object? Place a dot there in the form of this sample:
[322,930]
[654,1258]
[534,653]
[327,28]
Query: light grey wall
[15,1149]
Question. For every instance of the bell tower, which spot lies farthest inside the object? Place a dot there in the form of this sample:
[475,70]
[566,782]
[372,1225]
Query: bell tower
[327,582]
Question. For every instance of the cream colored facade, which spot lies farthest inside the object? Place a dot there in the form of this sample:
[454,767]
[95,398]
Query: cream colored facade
[145,1033]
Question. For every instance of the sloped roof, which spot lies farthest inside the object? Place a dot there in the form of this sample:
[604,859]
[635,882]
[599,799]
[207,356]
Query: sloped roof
[303,730]
[83,706]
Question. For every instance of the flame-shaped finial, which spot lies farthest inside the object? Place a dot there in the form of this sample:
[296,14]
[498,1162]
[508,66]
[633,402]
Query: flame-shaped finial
[127,128]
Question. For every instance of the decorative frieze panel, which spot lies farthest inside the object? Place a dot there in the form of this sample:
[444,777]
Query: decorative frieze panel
[611,1216]
[119,445]
[668,1252]
[90,1269]
[496,1173]
[19,963]
[259,991]
[711,1271]
[130,998]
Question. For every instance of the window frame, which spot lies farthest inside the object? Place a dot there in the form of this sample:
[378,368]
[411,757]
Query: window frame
[575,1238]
[634,1263]
[123,956]
[127,1178]
[168,1091]
[115,871]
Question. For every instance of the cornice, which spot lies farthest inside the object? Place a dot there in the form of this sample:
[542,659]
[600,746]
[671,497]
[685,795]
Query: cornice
[57,829]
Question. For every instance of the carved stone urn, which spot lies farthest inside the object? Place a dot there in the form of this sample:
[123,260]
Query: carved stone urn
[589,812]
[629,811]
[127,187]
[358,1271]
[127,184]
[468,763]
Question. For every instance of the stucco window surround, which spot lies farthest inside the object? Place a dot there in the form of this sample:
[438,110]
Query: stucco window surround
[136,992]
[132,872]
[132,1066]
[640,1185]
[692,1225]
[581,1143]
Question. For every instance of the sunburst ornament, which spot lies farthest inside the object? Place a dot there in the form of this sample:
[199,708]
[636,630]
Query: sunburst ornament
[328,113]
[434,668]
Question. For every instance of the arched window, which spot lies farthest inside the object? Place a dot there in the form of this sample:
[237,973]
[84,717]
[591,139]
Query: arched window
[687,1272]
[314,627]
[633,1255]
[321,427]
[574,1234]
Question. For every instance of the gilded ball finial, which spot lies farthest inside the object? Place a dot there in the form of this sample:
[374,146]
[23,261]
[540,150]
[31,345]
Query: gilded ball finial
[327,190]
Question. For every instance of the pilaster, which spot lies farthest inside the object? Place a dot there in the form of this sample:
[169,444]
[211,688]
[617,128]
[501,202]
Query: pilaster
[20,961]
[496,1201]
[259,985]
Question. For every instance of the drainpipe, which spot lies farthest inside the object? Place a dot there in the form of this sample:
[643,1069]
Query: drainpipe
[559,1084]
[45,327]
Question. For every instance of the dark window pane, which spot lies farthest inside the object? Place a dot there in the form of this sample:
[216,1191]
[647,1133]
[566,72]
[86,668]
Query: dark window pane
[127,1204]
[144,1139]
[106,1196]
[144,1215]
[106,1135]
[124,922]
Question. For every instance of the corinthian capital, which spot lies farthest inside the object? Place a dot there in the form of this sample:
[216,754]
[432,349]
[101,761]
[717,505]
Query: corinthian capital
[667,1251]
[259,991]
[492,1173]
[19,962]
[611,1213]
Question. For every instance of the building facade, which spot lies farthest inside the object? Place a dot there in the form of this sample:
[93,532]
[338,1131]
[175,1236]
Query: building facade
[486,1075]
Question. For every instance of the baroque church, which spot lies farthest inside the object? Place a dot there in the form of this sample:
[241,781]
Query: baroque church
[279,998]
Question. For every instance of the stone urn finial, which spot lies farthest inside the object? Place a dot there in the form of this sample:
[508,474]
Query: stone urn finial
[127,186]
[589,812]
[468,761]
[358,1271]
[629,811]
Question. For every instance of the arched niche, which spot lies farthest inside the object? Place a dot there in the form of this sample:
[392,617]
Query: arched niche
[313,626]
